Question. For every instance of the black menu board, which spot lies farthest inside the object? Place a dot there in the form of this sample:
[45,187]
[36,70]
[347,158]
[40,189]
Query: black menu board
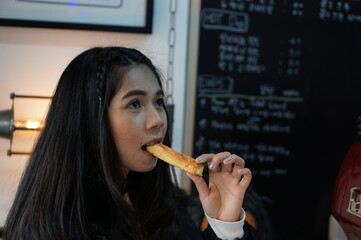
[279,83]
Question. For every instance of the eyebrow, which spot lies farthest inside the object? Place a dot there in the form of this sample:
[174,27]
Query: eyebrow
[141,93]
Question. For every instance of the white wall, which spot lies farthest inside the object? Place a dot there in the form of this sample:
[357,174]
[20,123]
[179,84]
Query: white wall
[32,59]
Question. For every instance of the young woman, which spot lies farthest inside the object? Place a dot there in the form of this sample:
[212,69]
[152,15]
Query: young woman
[90,177]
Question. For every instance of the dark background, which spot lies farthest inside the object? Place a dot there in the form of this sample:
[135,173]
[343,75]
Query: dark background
[295,134]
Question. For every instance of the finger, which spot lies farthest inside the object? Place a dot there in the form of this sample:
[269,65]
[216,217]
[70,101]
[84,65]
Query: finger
[233,163]
[204,158]
[238,163]
[216,160]
[200,185]
[245,176]
[227,163]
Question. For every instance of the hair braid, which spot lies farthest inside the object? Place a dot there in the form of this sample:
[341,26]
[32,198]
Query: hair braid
[101,83]
[105,60]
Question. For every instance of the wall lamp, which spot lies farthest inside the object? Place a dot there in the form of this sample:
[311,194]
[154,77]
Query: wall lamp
[8,124]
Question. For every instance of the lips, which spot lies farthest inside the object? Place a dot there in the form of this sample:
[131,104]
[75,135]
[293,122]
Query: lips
[152,142]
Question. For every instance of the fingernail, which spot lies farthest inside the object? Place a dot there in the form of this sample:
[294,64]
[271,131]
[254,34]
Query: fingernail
[198,159]
[211,165]
[242,170]
[228,159]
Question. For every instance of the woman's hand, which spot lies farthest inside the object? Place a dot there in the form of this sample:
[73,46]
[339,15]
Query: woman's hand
[228,181]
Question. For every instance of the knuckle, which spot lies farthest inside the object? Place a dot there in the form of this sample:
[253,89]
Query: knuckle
[220,156]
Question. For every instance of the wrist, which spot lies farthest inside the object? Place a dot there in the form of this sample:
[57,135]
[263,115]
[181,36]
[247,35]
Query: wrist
[228,218]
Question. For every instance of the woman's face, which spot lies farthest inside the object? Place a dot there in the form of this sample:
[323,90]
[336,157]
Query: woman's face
[137,117]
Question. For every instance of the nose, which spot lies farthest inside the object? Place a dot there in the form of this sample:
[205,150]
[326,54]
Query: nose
[155,118]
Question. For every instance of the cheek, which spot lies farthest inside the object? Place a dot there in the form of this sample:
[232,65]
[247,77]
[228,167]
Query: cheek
[126,139]
[165,126]
[126,128]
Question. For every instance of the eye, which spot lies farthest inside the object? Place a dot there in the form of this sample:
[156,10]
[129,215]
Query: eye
[160,102]
[135,104]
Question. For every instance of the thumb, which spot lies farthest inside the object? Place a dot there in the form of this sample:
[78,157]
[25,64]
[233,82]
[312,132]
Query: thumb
[200,185]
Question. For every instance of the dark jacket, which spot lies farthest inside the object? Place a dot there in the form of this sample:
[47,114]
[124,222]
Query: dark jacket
[189,231]
[188,226]
[190,213]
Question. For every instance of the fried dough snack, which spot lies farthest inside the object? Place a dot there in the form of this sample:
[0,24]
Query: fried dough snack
[176,159]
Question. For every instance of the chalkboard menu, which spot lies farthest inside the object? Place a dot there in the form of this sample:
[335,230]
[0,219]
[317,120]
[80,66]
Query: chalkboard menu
[279,83]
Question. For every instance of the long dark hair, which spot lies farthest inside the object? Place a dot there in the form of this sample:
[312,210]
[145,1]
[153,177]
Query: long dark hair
[72,187]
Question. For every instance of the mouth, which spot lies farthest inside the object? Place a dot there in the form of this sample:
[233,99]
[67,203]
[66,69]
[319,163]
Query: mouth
[144,147]
[154,141]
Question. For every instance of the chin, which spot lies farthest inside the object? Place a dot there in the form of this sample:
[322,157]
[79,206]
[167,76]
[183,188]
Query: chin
[149,167]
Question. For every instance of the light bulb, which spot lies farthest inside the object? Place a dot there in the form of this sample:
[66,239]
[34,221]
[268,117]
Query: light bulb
[28,124]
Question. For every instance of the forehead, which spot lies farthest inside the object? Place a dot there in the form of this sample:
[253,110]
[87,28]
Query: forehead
[140,77]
